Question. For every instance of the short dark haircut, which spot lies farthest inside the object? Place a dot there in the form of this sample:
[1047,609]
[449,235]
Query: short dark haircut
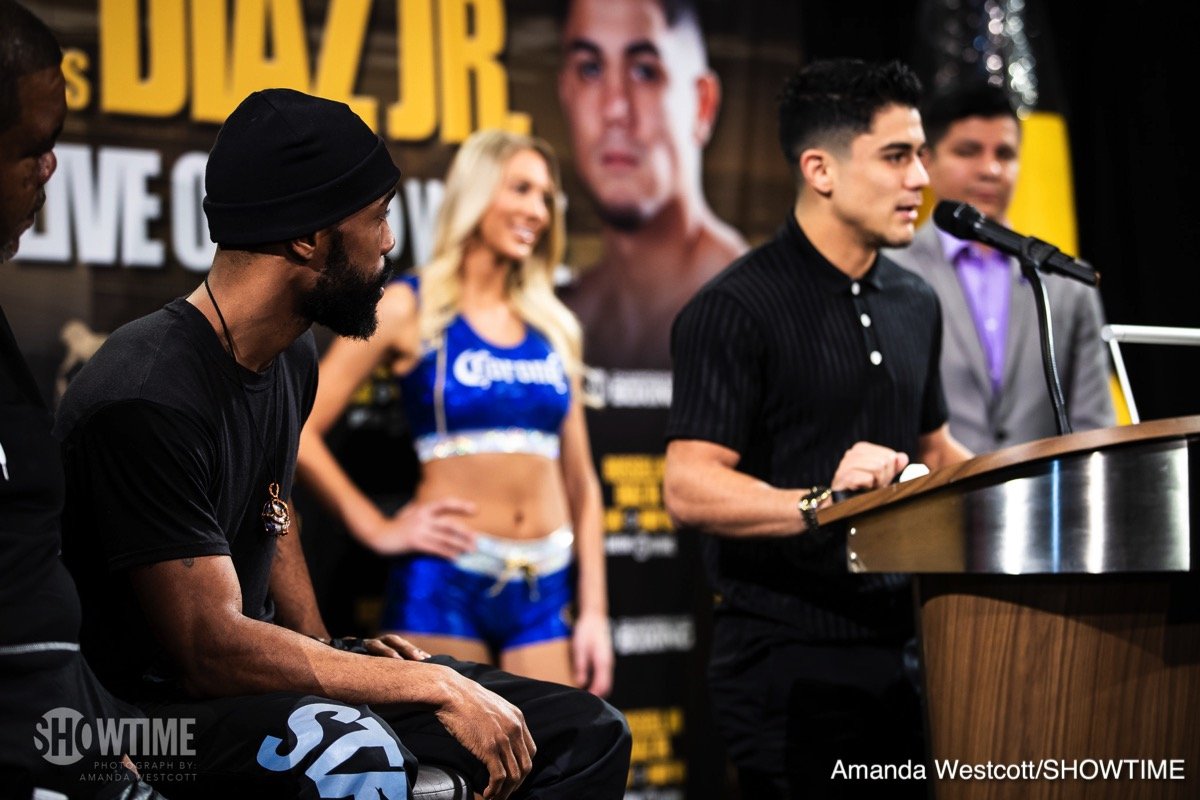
[828,103]
[26,46]
[676,12]
[680,11]
[957,101]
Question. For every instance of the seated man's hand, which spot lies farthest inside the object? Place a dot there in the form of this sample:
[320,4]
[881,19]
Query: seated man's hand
[389,645]
[491,729]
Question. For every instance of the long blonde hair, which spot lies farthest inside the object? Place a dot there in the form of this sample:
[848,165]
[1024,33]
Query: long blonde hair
[471,184]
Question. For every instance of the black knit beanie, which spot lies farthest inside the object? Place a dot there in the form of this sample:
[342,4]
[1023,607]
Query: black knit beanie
[286,164]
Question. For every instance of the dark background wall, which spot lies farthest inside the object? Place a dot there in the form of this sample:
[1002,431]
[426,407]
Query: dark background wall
[1128,81]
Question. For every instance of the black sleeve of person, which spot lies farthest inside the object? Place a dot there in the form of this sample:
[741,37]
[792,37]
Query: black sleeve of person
[716,355]
[934,411]
[140,475]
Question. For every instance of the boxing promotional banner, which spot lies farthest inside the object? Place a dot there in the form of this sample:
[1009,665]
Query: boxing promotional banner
[662,133]
[664,125]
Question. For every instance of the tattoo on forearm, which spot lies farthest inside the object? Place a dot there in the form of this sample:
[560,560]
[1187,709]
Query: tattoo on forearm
[189,562]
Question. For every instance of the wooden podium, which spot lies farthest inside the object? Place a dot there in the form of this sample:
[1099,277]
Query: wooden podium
[1058,586]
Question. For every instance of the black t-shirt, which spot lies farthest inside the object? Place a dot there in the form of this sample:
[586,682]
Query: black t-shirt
[163,443]
[788,361]
[37,599]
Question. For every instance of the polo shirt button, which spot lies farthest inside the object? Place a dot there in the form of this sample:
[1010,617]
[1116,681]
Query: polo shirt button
[855,288]
[866,320]
[876,357]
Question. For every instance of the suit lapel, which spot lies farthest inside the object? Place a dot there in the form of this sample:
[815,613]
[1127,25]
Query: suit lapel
[1022,328]
[960,323]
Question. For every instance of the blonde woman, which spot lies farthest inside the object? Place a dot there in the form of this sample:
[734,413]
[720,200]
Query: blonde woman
[503,537]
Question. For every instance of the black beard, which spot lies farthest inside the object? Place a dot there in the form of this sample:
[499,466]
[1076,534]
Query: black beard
[343,300]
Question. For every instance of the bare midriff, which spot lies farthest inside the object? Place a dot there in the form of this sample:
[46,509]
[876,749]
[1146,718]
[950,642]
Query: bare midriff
[517,496]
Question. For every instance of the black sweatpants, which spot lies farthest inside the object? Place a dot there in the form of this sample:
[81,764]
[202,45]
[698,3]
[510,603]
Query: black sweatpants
[796,715]
[288,745]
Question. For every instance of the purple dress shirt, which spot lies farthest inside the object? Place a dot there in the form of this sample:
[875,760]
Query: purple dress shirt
[986,278]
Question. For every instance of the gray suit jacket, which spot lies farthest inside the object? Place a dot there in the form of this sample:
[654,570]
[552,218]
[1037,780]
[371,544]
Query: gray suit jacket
[1022,411]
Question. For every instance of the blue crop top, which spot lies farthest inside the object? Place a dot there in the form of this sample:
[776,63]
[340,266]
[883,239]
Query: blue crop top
[470,396]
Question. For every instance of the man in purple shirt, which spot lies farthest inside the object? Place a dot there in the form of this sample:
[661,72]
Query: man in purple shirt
[991,361]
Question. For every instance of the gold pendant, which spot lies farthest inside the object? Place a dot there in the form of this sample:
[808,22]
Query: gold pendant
[276,518]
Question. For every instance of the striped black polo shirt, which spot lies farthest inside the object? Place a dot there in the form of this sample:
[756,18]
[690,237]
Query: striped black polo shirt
[788,361]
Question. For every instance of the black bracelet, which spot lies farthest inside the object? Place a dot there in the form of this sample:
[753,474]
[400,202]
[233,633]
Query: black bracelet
[809,503]
[349,644]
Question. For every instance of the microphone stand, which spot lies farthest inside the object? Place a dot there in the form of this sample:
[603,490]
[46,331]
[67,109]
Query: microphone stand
[1033,257]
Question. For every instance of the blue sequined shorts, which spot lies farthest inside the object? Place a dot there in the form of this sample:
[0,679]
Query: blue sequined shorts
[505,593]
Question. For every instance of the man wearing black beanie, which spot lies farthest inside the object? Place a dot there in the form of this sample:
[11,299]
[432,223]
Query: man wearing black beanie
[180,440]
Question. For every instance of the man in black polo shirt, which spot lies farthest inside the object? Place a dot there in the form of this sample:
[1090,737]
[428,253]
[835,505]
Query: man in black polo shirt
[812,363]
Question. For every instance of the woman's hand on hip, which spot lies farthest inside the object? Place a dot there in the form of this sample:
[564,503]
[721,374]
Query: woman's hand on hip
[435,527]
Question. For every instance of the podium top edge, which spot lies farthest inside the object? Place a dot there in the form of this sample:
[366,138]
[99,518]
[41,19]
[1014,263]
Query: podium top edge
[1041,449]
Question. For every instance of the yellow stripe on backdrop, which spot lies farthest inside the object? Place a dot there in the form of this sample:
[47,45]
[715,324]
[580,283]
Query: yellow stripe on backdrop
[1044,203]
[1124,417]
